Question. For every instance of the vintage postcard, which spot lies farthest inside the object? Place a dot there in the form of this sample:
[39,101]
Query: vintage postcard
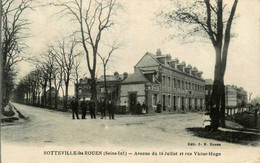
[130,81]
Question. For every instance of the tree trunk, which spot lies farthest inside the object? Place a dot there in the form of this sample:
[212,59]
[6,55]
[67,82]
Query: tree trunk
[45,94]
[56,100]
[217,91]
[93,87]
[105,83]
[65,104]
[50,98]
[223,106]
[77,90]
[1,62]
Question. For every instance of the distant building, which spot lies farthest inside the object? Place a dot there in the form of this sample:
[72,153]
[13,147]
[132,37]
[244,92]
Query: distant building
[113,87]
[231,96]
[53,93]
[158,78]
[84,88]
[234,96]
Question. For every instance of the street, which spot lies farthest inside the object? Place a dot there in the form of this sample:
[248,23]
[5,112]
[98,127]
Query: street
[52,128]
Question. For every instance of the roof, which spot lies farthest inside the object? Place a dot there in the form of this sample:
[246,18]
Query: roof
[136,77]
[208,82]
[111,78]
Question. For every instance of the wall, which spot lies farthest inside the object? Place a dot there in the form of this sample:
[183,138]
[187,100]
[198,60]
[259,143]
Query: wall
[126,89]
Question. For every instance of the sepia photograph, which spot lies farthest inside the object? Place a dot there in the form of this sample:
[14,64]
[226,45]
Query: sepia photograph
[129,81]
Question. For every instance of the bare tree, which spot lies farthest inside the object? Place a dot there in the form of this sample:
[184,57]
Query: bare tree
[93,18]
[77,75]
[105,60]
[58,81]
[65,54]
[13,32]
[207,19]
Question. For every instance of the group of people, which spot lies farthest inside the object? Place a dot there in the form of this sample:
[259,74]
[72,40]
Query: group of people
[91,106]
[138,108]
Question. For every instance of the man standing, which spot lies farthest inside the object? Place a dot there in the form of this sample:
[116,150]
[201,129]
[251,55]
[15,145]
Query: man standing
[158,109]
[92,109]
[74,107]
[84,107]
[138,108]
[103,108]
[144,108]
[110,110]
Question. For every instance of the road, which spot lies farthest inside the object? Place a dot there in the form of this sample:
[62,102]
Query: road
[52,128]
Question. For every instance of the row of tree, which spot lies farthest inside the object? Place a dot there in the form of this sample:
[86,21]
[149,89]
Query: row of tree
[54,71]
[93,19]
[13,32]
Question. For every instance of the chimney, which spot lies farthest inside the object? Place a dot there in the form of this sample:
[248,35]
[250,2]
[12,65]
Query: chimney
[158,52]
[125,74]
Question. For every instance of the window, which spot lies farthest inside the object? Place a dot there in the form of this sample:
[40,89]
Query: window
[169,100]
[169,81]
[154,99]
[174,82]
[179,84]
[163,80]
[183,86]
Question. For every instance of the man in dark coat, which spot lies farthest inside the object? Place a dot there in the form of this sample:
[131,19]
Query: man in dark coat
[103,108]
[84,107]
[74,107]
[92,109]
[110,110]
[138,108]
[159,106]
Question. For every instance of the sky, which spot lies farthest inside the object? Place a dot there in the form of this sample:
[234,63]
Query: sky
[136,27]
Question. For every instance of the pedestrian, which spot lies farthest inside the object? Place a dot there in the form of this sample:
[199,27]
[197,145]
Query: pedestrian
[159,106]
[110,110]
[103,108]
[138,108]
[92,109]
[144,108]
[84,107]
[74,107]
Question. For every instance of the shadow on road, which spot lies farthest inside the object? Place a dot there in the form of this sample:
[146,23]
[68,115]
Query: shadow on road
[227,136]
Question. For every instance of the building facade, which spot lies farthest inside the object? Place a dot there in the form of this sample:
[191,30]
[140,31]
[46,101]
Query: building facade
[158,78]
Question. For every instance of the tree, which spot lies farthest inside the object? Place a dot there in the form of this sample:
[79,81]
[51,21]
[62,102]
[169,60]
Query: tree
[77,75]
[93,18]
[205,17]
[58,81]
[65,54]
[105,60]
[12,34]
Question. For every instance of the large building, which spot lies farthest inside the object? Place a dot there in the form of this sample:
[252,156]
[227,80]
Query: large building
[158,78]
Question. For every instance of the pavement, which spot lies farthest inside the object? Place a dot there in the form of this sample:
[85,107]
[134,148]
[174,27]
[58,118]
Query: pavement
[159,132]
